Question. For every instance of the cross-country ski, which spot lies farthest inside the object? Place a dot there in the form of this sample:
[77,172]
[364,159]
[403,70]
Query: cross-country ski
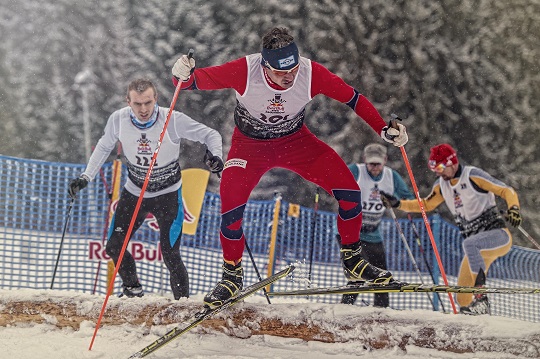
[206,313]
[405,288]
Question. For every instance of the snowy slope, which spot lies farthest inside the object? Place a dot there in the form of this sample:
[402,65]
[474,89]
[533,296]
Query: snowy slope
[60,324]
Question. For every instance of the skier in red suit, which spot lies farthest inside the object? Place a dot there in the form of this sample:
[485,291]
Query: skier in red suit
[272,90]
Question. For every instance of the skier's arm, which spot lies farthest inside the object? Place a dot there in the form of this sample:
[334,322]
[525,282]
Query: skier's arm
[431,202]
[401,190]
[484,181]
[354,169]
[103,149]
[232,74]
[184,126]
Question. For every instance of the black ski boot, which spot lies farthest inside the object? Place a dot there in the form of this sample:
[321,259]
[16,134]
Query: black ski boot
[131,292]
[231,283]
[357,269]
[480,305]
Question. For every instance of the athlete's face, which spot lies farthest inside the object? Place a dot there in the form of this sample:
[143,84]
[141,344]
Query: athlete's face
[447,173]
[375,168]
[284,79]
[142,103]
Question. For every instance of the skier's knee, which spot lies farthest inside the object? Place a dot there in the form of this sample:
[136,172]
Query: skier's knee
[350,203]
[231,223]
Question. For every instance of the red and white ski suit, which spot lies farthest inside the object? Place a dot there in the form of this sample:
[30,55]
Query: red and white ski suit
[270,132]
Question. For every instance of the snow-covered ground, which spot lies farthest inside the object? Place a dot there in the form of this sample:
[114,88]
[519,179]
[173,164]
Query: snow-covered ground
[49,324]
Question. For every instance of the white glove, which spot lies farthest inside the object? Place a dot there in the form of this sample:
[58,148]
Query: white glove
[183,67]
[398,137]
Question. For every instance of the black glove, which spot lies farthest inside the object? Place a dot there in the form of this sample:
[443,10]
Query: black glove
[214,163]
[388,200]
[513,216]
[75,185]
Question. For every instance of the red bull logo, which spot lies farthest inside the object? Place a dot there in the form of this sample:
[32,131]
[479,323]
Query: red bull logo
[96,252]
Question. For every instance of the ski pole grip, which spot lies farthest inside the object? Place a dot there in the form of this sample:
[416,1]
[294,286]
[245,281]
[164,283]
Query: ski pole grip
[393,122]
[190,56]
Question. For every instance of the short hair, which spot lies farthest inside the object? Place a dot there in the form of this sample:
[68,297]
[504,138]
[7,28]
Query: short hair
[277,38]
[141,85]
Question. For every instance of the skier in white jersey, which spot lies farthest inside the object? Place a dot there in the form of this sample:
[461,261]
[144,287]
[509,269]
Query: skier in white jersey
[374,177]
[469,193]
[138,127]
[272,89]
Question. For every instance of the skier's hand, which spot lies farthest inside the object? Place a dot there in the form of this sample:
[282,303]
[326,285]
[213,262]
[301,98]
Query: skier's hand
[75,185]
[513,216]
[396,136]
[183,67]
[214,163]
[388,200]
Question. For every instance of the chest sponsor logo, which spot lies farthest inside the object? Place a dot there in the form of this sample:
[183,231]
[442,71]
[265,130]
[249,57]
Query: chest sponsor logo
[276,104]
[374,193]
[458,202]
[143,147]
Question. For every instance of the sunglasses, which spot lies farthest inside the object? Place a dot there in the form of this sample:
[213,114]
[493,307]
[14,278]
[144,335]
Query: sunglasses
[438,167]
[280,72]
[373,164]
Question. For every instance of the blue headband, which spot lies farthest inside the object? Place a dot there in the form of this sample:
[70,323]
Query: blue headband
[284,58]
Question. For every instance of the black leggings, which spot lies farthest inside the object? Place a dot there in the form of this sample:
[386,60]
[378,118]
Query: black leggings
[374,253]
[166,210]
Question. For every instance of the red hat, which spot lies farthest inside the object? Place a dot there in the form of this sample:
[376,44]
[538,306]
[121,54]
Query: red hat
[443,153]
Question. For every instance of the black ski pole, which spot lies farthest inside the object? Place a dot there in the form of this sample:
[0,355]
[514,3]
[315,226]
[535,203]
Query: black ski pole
[528,236]
[313,228]
[418,241]
[408,248]
[62,240]
[207,156]
[257,271]
[524,232]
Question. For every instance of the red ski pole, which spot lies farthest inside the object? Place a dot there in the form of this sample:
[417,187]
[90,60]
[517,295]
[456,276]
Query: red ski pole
[424,216]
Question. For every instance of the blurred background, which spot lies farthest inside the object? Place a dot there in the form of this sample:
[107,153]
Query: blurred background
[465,72]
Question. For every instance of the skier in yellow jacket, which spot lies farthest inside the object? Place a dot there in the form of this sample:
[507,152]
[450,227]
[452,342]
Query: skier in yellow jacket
[469,193]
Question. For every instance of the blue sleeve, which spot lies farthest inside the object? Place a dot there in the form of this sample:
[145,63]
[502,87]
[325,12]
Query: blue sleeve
[354,169]
[401,190]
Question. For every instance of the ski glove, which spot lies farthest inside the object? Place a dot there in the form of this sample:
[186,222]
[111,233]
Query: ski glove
[388,200]
[396,136]
[513,216]
[75,185]
[183,68]
[214,163]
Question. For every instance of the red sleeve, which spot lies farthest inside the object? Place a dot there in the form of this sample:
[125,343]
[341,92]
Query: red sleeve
[329,84]
[232,74]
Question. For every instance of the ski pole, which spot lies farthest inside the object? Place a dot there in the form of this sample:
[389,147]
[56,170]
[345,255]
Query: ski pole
[415,265]
[70,207]
[138,206]
[313,228]
[424,216]
[428,266]
[531,239]
[111,192]
[257,271]
[527,235]
[208,155]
